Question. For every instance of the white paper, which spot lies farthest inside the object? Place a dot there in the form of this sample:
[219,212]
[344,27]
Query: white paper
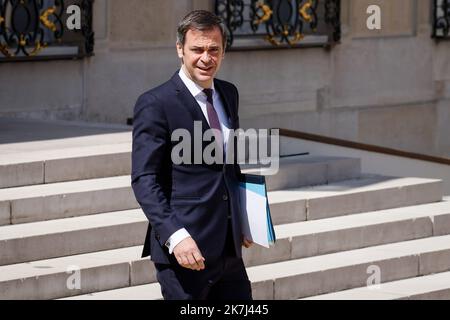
[254,222]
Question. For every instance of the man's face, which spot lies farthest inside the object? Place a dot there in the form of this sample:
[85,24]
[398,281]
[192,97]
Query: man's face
[202,55]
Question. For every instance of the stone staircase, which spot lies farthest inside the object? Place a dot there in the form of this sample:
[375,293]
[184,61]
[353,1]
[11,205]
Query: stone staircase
[72,208]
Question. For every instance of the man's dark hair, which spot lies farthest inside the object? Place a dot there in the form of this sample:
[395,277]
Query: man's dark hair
[200,20]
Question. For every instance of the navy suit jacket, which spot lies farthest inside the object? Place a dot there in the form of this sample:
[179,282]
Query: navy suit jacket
[198,197]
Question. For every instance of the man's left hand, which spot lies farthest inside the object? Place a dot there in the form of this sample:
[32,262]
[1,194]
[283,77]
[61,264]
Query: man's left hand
[247,243]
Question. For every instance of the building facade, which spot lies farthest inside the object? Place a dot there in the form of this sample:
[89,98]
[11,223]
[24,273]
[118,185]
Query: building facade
[388,86]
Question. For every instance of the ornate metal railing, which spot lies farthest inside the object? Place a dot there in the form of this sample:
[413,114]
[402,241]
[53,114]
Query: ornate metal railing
[441,19]
[253,24]
[38,29]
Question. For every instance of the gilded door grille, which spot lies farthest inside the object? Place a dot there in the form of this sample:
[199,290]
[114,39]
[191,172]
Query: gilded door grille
[37,30]
[254,24]
[441,19]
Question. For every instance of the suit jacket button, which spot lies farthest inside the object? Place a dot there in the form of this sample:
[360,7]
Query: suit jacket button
[225,197]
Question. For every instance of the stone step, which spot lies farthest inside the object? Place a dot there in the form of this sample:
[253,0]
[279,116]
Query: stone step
[292,279]
[65,199]
[307,170]
[68,164]
[76,275]
[319,237]
[28,135]
[106,270]
[369,193]
[89,164]
[313,276]
[86,152]
[431,287]
[85,197]
[64,237]
[150,291]
[114,159]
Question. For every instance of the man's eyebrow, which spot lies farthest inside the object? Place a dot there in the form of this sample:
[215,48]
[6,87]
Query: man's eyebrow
[211,47]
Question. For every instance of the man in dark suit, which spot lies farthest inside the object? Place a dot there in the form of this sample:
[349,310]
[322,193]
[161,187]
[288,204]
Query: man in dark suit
[194,235]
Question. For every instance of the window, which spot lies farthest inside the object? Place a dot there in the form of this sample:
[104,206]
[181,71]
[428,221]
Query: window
[441,19]
[255,24]
[37,30]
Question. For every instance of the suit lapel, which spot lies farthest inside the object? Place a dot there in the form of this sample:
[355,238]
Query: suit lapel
[189,102]
[229,108]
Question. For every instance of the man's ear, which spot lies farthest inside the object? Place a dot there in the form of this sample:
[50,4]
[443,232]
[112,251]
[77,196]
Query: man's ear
[180,50]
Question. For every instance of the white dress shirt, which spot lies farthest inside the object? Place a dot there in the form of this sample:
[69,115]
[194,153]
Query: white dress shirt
[200,97]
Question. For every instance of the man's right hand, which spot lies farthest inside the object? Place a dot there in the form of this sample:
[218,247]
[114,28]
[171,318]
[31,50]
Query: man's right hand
[188,255]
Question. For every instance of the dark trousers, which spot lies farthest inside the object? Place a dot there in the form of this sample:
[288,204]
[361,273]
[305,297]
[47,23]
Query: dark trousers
[225,279]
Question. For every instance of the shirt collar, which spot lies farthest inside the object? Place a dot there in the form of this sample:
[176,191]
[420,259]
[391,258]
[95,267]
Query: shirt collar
[193,88]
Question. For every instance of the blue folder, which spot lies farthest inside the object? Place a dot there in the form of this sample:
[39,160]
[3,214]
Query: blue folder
[256,219]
